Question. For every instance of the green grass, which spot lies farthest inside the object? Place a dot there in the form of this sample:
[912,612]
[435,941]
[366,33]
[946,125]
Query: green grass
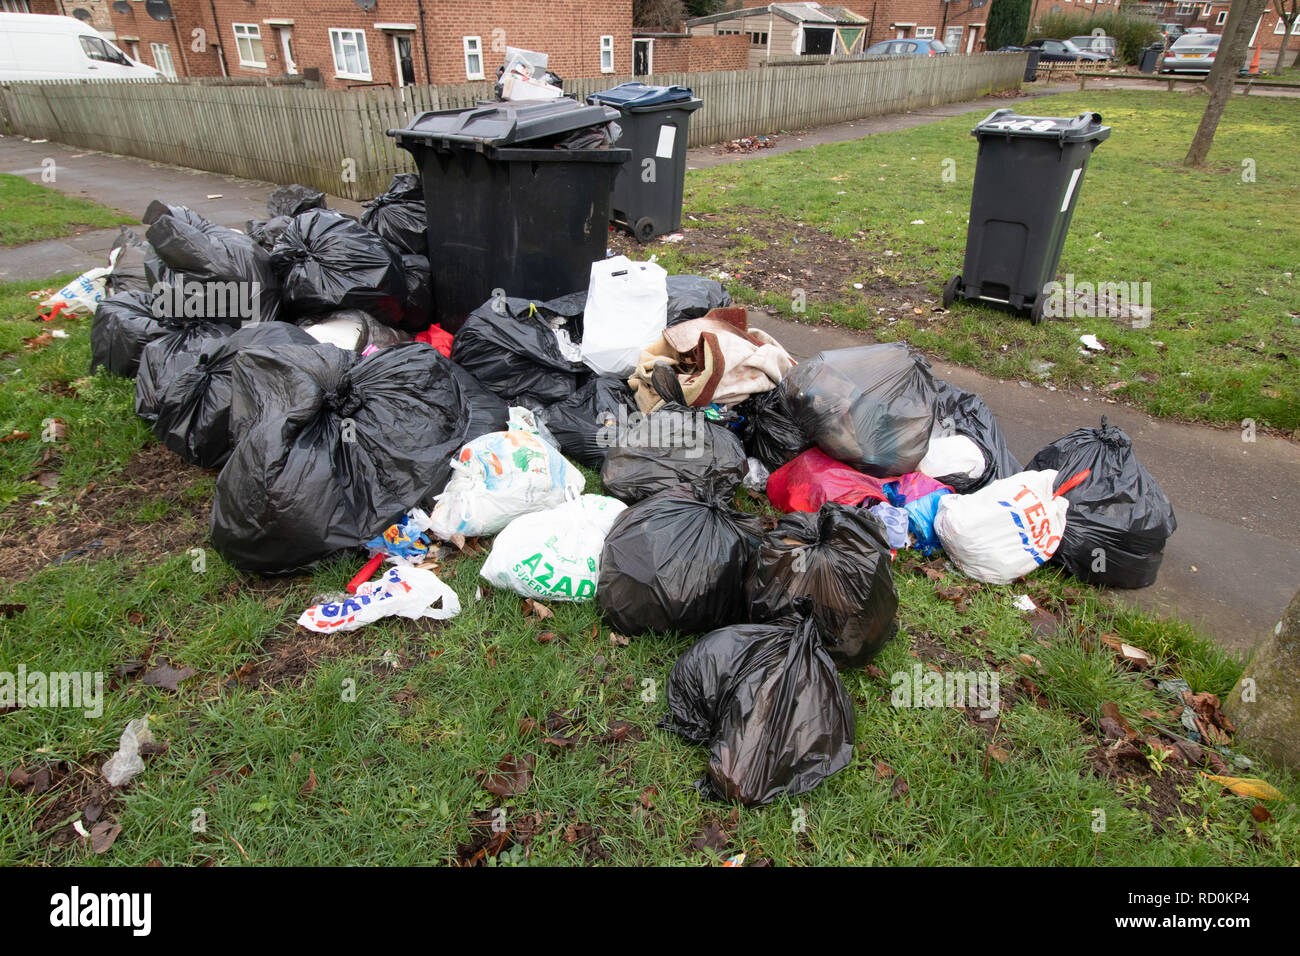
[30,212]
[396,764]
[1220,253]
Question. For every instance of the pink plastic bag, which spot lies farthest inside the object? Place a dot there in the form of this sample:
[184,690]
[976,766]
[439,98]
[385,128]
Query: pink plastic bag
[812,478]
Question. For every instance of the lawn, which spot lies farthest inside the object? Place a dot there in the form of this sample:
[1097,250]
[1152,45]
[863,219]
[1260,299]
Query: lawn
[1220,248]
[30,212]
[287,748]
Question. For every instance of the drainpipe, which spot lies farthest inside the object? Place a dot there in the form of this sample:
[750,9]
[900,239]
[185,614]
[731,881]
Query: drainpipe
[424,44]
[943,28]
[221,47]
[176,29]
[871,27]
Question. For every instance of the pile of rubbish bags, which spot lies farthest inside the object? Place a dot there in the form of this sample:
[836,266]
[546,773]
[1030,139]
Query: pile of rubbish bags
[344,424]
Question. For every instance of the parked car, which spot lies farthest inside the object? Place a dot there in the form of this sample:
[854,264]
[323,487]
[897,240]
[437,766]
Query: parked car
[35,46]
[909,47]
[1192,53]
[1107,46]
[1171,31]
[1063,51]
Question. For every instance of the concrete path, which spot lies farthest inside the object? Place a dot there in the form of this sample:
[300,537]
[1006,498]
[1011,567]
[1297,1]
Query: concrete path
[1232,567]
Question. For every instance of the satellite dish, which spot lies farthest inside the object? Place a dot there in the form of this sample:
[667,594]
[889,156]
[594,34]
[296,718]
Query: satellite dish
[366,5]
[122,7]
[82,14]
[160,10]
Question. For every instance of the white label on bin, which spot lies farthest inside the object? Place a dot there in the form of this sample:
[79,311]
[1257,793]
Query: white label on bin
[667,137]
[1069,193]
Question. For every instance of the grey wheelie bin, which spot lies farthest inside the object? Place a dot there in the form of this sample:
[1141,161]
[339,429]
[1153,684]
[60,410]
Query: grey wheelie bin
[648,188]
[1027,181]
[510,204]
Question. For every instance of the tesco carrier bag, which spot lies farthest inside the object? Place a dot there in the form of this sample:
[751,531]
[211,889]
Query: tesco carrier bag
[1007,528]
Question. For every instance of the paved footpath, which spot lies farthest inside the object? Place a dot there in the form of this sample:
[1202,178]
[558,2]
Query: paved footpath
[1232,566]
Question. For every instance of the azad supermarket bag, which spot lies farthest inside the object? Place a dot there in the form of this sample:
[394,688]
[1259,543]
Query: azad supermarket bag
[330,448]
[1119,517]
[871,407]
[553,555]
[677,561]
[839,558]
[767,700]
[1006,529]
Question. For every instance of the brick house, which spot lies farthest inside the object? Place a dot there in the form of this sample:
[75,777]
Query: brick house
[389,43]
[783,30]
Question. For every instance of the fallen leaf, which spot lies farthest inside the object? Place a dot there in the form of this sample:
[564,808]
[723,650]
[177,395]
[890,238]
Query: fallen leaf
[875,672]
[883,770]
[1248,787]
[536,609]
[310,786]
[514,776]
[1260,813]
[997,753]
[168,677]
[899,789]
[1110,713]
[545,637]
[711,837]
[35,342]
[564,743]
[15,435]
[103,835]
[527,725]
[618,640]
[647,797]
[1029,660]
[46,478]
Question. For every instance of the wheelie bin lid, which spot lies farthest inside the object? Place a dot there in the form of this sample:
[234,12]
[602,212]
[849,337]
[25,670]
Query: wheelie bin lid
[638,97]
[1086,127]
[503,124]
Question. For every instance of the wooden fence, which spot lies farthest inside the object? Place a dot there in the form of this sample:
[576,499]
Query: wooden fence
[336,140]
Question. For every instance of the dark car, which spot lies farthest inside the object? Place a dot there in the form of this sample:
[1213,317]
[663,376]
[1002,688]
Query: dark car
[911,47]
[1063,51]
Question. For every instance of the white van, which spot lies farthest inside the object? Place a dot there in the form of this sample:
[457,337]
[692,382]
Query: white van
[34,46]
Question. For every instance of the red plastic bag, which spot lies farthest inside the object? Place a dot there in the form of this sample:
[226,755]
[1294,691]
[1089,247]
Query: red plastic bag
[812,478]
[438,337]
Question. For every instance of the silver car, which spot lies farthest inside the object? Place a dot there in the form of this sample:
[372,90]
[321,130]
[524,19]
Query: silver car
[1192,53]
[1106,46]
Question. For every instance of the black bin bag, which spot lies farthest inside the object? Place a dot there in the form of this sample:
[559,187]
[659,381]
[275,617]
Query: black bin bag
[586,424]
[769,432]
[768,702]
[839,559]
[327,262]
[417,300]
[239,283]
[122,326]
[128,257]
[398,215]
[165,358]
[871,407]
[193,404]
[293,200]
[330,448]
[1118,519]
[690,297]
[510,346]
[674,445]
[266,232]
[677,561]
[959,412]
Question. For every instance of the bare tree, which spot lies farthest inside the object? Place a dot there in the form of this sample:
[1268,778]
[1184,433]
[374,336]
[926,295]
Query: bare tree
[1288,14]
[1242,18]
[659,15]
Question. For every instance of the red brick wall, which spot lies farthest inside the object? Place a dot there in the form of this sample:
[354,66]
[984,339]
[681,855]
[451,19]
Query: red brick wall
[696,54]
[186,59]
[568,30]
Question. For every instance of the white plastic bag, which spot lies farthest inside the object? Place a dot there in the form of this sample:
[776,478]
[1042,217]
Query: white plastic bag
[627,309]
[1006,529]
[401,592]
[498,477]
[554,554]
[126,763]
[81,295]
[952,455]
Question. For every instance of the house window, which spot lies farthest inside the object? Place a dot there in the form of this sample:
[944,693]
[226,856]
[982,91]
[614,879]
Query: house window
[1222,18]
[473,47]
[758,39]
[728,33]
[248,41]
[1184,8]
[351,59]
[925,33]
[607,54]
[952,38]
[133,50]
[14,6]
[162,59]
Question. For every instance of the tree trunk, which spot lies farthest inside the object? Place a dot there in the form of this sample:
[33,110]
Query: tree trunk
[1242,18]
[1281,54]
[1265,704]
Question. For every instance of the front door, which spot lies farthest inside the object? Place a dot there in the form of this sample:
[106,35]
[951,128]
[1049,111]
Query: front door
[404,58]
[286,44]
[970,39]
[641,65]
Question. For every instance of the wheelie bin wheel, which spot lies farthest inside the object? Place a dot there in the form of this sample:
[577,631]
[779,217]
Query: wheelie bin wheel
[1036,313]
[644,229]
[950,291]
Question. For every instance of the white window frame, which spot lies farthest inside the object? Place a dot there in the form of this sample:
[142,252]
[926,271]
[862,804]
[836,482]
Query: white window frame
[924,33]
[607,48]
[1183,9]
[473,46]
[344,35]
[1279,28]
[15,6]
[1221,19]
[169,69]
[961,34]
[255,34]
